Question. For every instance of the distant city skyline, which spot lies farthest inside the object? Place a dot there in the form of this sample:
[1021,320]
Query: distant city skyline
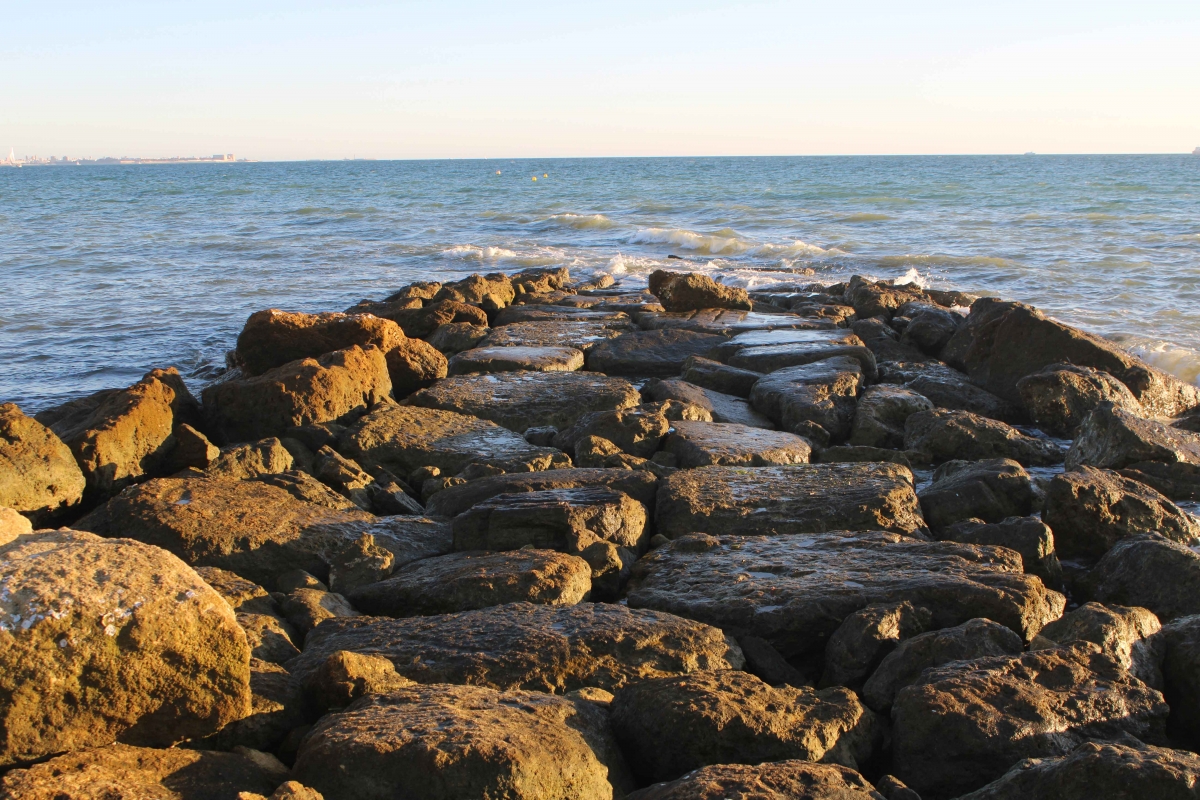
[314,80]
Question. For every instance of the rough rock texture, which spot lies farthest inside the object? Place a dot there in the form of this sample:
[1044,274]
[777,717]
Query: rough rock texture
[641,486]
[966,723]
[1178,648]
[880,298]
[658,354]
[670,726]
[1120,631]
[192,449]
[947,435]
[1092,509]
[344,677]
[522,400]
[454,337]
[358,563]
[244,461]
[418,322]
[702,444]
[493,291]
[816,400]
[990,490]
[452,742]
[1150,571]
[882,340]
[930,327]
[781,336]
[1113,438]
[248,527]
[1094,770]
[638,431]
[1029,536]
[779,780]
[1060,396]
[307,608]
[272,338]
[806,498]
[111,640]
[722,407]
[1177,481]
[1003,342]
[271,638]
[524,646]
[414,364]
[975,638]
[298,393]
[688,291]
[121,772]
[881,414]
[275,711]
[726,322]
[948,388]
[578,334]
[517,359]
[12,525]
[465,581]
[568,520]
[718,377]
[860,643]
[38,473]
[830,344]
[796,592]
[402,439]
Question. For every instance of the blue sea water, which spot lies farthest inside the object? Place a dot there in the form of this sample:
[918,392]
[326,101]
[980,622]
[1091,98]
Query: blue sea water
[107,271]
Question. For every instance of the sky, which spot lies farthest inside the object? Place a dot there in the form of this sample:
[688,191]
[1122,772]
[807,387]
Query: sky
[449,79]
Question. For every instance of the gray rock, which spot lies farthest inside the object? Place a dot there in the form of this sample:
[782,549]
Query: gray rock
[774,780]
[795,592]
[568,520]
[823,345]
[784,335]
[718,377]
[816,400]
[975,638]
[990,490]
[1150,571]
[701,444]
[1120,631]
[930,327]
[1176,481]
[880,298]
[649,353]
[947,435]
[722,407]
[881,413]
[1113,438]
[882,340]
[860,643]
[1060,396]
[948,388]
[637,431]
[1029,536]
[541,358]
[857,454]
[576,334]
[641,486]
[726,322]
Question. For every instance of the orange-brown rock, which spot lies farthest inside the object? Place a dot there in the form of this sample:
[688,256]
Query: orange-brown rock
[38,473]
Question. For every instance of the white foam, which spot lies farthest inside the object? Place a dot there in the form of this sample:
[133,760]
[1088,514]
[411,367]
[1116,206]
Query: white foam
[583,221]
[474,252]
[911,278]
[1179,361]
[724,242]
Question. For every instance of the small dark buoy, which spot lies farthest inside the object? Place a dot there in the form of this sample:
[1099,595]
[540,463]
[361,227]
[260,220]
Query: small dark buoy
[674,256]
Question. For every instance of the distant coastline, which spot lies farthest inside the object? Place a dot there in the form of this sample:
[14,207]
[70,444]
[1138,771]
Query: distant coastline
[67,161]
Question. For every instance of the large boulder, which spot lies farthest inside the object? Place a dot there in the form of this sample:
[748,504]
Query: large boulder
[1094,770]
[12,525]
[968,722]
[1151,571]
[524,646]
[947,435]
[880,298]
[414,364]
[1002,342]
[702,444]
[881,413]
[865,637]
[948,388]
[796,594]
[111,640]
[930,327]
[523,400]
[990,490]
[452,742]
[637,431]
[722,407]
[492,292]
[38,473]
[653,354]
[402,439]
[689,291]
[1060,396]
[1113,438]
[769,351]
[1029,536]
[417,320]
[718,377]
[641,486]
[884,342]
[671,726]
[1092,509]
[298,393]
[1120,631]
[816,400]
[776,780]
[272,338]
[1177,646]
[803,498]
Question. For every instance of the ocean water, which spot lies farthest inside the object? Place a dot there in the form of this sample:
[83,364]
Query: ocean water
[107,272]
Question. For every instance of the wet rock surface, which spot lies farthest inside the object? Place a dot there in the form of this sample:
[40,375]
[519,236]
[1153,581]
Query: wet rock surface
[719,377]
[948,388]
[722,407]
[865,637]
[656,354]
[990,490]
[1113,438]
[701,444]
[816,400]
[948,435]
[1029,536]
[641,486]
[1060,396]
[881,413]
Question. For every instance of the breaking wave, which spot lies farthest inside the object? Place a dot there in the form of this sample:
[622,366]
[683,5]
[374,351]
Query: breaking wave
[583,221]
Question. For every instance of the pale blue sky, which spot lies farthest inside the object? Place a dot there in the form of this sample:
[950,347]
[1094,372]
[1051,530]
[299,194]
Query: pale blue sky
[273,80]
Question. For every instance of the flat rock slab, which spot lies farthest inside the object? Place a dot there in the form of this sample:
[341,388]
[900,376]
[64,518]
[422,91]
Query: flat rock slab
[718,377]
[575,334]
[526,646]
[453,742]
[947,435]
[641,486]
[559,519]
[523,400]
[726,322]
[722,407]
[795,591]
[404,438]
[769,358]
[533,312]
[771,781]
[776,338]
[818,400]
[967,723]
[514,359]
[702,444]
[808,498]
[466,581]
[654,354]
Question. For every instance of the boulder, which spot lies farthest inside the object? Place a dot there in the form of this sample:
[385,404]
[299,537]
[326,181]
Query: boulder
[718,377]
[414,364]
[420,321]
[968,722]
[567,520]
[641,486]
[668,727]
[816,400]
[245,461]
[881,413]
[521,400]
[1060,396]
[656,354]
[860,643]
[12,525]
[273,338]
[721,407]
[880,298]
[1094,770]
[795,593]
[775,780]
[403,438]
[638,430]
[1151,571]
[1092,509]
[451,742]
[298,393]
[454,337]
[688,291]
[948,388]
[975,638]
[577,334]
[1177,650]
[516,359]
[1120,631]
[122,772]
[1113,438]
[111,640]
[1029,536]
[991,490]
[38,473]
[1176,481]
[275,711]
[1002,342]
[804,498]
[781,335]
[271,638]
[358,563]
[930,327]
[884,342]
[701,444]
[305,609]
[344,677]
[947,435]
[192,449]
[470,580]
[493,291]
[542,648]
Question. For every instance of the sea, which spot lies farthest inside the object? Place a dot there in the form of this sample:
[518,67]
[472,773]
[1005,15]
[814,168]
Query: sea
[109,271]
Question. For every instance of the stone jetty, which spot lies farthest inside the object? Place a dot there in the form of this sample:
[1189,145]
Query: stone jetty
[527,538]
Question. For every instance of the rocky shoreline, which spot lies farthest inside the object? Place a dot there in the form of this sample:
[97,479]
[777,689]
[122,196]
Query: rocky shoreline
[523,537]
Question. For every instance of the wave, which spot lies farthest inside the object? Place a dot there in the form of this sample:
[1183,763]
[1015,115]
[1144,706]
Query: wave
[1181,362]
[726,242]
[476,253]
[864,218]
[583,221]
